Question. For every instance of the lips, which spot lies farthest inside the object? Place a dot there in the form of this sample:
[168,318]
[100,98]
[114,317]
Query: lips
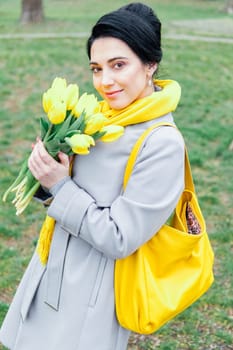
[113,93]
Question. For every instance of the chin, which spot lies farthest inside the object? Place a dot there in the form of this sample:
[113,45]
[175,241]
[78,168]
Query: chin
[117,105]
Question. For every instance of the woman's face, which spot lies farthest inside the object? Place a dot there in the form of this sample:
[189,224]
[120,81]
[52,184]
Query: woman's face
[118,74]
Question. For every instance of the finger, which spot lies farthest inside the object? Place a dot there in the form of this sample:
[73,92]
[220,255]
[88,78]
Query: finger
[64,159]
[36,163]
[44,156]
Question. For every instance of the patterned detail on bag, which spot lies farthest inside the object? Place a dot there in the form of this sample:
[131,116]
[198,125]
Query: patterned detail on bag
[192,223]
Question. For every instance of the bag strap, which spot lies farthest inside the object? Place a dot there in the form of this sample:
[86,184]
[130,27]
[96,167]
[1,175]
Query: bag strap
[189,185]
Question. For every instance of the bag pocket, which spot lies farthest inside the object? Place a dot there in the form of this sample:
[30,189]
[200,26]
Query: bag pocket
[179,222]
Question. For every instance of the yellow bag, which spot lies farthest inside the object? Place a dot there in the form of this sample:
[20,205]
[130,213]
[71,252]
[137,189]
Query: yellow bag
[169,272]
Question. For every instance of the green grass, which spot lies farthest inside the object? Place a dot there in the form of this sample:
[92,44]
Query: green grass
[71,16]
[204,116]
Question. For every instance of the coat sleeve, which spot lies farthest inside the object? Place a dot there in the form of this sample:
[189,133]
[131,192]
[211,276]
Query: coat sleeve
[150,197]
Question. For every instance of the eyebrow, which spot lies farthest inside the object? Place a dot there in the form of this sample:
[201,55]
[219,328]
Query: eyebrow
[110,60]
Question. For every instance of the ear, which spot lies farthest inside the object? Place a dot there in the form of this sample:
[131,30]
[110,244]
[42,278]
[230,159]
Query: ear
[151,68]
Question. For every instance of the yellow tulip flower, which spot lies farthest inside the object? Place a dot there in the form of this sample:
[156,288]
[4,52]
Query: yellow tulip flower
[80,143]
[58,91]
[95,123]
[59,84]
[48,99]
[80,106]
[46,102]
[113,132]
[92,105]
[72,94]
[57,112]
[87,103]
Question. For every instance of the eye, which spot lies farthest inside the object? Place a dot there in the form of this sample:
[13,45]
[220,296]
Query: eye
[119,65]
[95,69]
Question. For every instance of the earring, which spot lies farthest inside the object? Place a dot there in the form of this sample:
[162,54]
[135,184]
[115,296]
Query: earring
[150,82]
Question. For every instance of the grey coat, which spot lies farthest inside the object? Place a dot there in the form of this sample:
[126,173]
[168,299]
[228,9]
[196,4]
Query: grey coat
[69,304]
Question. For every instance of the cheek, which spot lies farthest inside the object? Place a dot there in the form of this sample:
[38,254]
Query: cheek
[97,86]
[137,75]
[95,83]
[140,80]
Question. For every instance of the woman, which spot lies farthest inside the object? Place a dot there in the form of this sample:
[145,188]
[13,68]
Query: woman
[69,303]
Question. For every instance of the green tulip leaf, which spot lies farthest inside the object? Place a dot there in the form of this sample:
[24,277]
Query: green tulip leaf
[77,123]
[53,147]
[72,132]
[61,129]
[97,135]
[65,148]
[44,126]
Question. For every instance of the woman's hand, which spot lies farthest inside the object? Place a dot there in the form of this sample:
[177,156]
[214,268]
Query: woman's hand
[46,169]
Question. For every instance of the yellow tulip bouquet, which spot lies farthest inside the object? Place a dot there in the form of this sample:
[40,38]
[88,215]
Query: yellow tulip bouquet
[71,125]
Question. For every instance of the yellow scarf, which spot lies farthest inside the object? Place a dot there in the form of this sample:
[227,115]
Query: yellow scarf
[151,107]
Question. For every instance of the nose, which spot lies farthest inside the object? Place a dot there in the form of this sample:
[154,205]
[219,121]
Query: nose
[107,78]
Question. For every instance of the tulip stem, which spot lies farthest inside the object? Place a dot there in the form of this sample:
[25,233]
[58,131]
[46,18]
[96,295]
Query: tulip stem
[17,180]
[48,133]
